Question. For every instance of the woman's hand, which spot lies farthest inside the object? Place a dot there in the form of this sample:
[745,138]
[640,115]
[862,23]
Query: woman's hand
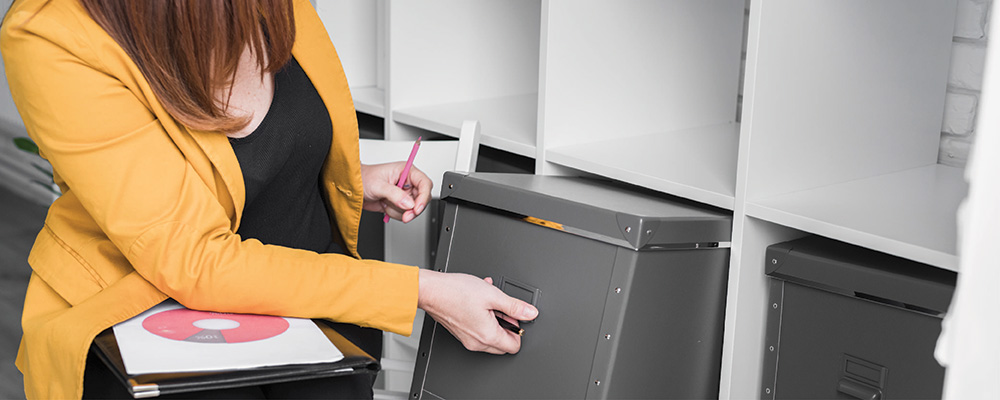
[466,306]
[382,194]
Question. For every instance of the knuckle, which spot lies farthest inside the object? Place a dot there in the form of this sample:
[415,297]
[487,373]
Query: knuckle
[516,306]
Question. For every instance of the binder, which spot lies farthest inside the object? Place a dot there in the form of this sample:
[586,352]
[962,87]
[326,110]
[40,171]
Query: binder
[355,361]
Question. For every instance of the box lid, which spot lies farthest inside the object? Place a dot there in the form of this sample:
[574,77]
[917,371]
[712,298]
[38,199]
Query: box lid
[603,210]
[855,271]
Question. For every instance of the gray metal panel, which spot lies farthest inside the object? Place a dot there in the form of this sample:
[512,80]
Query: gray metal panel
[557,349]
[847,269]
[831,343]
[633,216]
[671,334]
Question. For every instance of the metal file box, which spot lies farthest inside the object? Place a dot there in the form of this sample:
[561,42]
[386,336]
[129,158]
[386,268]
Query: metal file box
[630,285]
[846,322]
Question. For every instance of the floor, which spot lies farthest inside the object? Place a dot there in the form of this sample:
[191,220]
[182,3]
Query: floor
[20,221]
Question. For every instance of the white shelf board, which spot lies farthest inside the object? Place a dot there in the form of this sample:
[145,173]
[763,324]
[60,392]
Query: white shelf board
[508,123]
[369,100]
[910,214]
[697,163]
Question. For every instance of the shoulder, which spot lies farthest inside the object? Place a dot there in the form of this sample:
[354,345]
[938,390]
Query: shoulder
[37,30]
[309,30]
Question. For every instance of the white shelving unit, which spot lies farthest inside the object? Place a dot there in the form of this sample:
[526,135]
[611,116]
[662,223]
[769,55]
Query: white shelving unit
[838,132]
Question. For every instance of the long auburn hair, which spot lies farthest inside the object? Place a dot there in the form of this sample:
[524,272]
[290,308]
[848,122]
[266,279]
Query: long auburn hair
[188,50]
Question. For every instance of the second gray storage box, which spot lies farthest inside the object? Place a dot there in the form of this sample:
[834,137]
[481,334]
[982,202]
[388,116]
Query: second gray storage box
[846,322]
[630,285]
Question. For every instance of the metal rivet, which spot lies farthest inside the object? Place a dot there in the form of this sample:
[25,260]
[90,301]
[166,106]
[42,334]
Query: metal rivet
[424,354]
[607,336]
[618,290]
[649,231]
[415,395]
[451,186]
[768,390]
[598,383]
[774,306]
[447,229]
[771,348]
[628,229]
[774,261]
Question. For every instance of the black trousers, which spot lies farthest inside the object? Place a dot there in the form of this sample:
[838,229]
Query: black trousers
[99,382]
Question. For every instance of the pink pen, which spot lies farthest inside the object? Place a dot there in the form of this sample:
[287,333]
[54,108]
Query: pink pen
[403,177]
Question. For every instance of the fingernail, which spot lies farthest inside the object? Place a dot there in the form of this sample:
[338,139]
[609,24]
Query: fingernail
[420,208]
[406,203]
[531,312]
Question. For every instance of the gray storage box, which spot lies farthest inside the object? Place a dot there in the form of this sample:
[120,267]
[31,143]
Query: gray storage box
[630,285]
[846,322]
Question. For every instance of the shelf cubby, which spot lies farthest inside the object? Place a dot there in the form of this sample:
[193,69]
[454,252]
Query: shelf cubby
[453,60]
[844,102]
[645,92]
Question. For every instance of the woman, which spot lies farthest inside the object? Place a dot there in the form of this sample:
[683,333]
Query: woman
[167,123]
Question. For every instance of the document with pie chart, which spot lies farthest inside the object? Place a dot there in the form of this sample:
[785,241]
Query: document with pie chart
[171,338]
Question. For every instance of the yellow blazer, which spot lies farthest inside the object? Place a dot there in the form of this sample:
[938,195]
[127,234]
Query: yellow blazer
[150,207]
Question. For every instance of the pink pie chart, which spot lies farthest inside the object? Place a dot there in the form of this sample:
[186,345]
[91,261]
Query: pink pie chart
[183,324]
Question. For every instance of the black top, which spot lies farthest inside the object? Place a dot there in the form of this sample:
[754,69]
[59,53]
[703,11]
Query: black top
[281,162]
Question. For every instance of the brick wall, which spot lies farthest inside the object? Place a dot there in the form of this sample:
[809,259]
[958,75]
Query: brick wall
[965,81]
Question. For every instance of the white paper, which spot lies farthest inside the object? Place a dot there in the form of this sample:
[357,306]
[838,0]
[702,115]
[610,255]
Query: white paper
[259,341]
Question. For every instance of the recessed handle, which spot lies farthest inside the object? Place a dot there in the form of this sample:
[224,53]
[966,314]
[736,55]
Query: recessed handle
[858,390]
[520,290]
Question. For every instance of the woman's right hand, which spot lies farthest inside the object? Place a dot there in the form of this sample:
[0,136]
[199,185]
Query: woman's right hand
[466,306]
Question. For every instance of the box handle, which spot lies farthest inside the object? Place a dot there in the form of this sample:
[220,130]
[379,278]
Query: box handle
[519,290]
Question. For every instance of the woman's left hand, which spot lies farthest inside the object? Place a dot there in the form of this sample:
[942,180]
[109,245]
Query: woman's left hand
[382,194]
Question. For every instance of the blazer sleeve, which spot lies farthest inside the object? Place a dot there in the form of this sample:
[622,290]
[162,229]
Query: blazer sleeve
[106,142]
